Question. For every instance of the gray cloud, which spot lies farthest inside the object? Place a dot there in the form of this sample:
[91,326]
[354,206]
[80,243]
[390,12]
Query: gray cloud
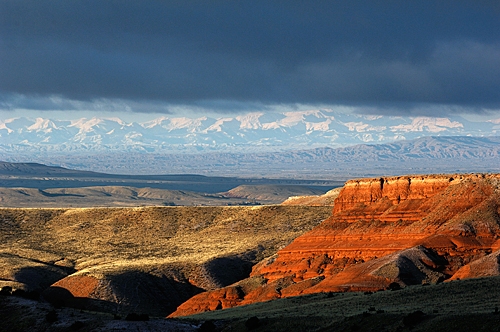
[227,55]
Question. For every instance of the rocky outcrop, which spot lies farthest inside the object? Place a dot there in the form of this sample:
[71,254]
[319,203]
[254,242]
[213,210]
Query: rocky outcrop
[394,189]
[405,230]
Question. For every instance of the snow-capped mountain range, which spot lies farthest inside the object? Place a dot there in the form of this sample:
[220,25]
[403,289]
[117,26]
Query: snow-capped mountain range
[249,132]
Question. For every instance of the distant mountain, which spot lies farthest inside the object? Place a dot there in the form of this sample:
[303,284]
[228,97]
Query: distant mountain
[38,170]
[434,154]
[433,147]
[255,132]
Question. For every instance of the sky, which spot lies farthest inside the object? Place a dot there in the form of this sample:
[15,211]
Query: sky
[144,58]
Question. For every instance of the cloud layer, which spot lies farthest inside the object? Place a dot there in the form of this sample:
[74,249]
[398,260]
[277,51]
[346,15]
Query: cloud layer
[394,55]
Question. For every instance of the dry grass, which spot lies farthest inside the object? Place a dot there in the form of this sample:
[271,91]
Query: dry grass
[110,240]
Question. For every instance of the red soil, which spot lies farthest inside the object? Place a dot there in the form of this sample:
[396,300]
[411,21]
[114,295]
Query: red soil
[79,286]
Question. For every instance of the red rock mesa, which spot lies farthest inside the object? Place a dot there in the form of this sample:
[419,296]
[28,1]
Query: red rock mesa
[384,233]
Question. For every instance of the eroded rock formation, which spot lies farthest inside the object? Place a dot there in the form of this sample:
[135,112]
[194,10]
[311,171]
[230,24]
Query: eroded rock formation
[383,232]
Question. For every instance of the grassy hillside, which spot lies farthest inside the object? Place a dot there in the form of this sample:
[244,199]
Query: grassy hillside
[174,233]
[174,250]
[467,305]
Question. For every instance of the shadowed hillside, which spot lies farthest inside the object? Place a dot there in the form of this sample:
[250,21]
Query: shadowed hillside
[458,306]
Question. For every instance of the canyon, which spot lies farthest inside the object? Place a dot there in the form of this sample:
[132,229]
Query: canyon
[384,233]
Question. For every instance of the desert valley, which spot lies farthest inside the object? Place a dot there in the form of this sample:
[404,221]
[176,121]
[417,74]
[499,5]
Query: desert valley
[409,252]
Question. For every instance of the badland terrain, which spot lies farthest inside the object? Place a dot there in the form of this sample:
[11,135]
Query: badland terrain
[395,253]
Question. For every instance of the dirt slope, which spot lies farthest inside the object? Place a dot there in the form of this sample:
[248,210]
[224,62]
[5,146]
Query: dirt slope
[463,306]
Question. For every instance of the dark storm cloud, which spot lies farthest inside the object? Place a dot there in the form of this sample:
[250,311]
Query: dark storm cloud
[11,102]
[229,53]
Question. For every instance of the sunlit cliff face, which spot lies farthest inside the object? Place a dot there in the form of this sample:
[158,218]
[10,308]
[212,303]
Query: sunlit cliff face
[405,230]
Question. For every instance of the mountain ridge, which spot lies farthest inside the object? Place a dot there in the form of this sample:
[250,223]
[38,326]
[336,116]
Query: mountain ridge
[426,155]
[256,131]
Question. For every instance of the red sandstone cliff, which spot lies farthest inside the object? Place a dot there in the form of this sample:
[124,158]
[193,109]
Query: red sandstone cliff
[405,230]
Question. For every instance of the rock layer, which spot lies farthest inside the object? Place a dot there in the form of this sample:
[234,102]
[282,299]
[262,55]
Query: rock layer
[384,232]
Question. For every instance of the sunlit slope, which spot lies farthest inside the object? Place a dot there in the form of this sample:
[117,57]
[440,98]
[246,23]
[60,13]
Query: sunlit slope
[168,253]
